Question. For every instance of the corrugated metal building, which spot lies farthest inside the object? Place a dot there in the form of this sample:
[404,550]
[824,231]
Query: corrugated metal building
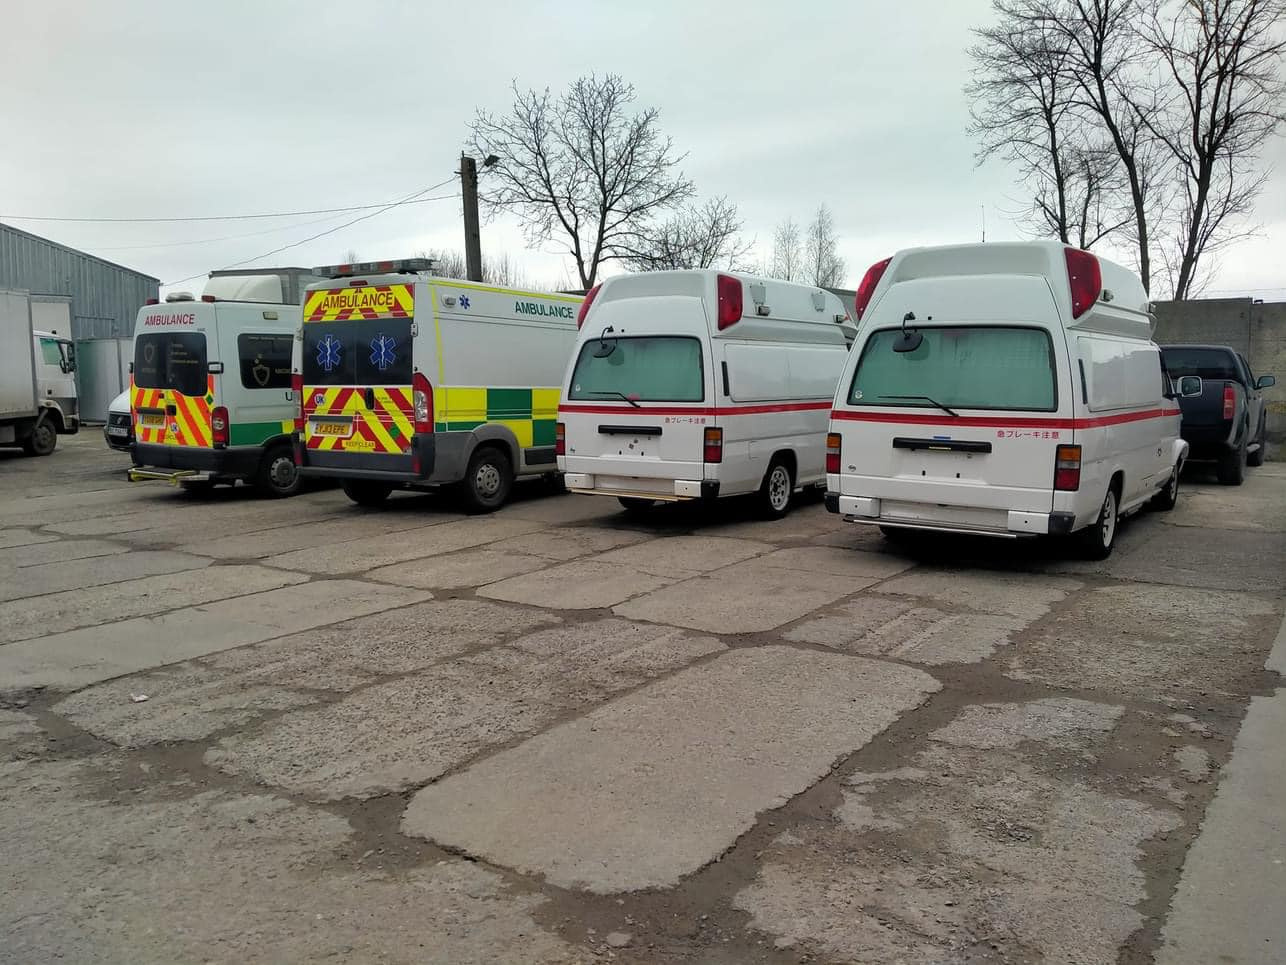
[105,298]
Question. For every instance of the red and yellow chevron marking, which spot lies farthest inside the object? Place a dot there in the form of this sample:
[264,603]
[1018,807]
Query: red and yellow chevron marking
[188,425]
[386,428]
[343,304]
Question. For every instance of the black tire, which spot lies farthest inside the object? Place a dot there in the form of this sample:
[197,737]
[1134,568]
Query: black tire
[278,476]
[636,506]
[1165,500]
[366,493]
[1096,540]
[1232,465]
[901,535]
[777,491]
[488,480]
[43,439]
[1257,457]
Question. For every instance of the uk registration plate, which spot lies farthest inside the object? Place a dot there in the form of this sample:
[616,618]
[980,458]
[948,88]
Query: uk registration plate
[151,419]
[339,429]
[117,431]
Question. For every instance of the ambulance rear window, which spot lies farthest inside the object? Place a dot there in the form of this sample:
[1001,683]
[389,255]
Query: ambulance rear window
[171,360]
[966,367]
[662,368]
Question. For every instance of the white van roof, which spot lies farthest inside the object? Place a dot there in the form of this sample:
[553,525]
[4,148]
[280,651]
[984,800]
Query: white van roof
[766,302]
[1104,287]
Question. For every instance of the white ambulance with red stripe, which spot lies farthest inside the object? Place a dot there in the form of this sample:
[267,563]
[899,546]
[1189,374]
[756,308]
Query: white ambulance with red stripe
[1006,390]
[699,384]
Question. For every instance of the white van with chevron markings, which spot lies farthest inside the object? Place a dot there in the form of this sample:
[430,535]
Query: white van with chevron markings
[408,380]
[700,384]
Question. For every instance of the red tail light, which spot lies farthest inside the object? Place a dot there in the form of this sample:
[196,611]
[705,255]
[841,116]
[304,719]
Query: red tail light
[1085,278]
[1229,402]
[152,301]
[208,298]
[560,440]
[712,450]
[584,306]
[219,426]
[297,390]
[1067,469]
[832,452]
[730,302]
[422,397]
[867,288]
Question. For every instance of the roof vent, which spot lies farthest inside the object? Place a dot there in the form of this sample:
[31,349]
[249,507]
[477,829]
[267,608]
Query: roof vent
[179,297]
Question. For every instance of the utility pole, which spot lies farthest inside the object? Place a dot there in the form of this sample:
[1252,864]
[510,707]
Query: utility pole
[472,237]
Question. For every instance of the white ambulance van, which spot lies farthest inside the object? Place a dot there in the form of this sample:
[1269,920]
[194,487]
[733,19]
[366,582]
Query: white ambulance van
[408,380]
[701,384]
[1006,390]
[210,385]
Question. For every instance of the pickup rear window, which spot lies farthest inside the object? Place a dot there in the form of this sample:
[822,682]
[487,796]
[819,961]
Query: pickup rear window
[1207,363]
[965,366]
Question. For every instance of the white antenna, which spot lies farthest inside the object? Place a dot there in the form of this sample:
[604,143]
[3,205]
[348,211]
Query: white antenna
[984,223]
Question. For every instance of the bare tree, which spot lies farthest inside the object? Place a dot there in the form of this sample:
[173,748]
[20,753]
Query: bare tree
[351,256]
[787,259]
[823,265]
[585,167]
[1024,110]
[501,270]
[1221,60]
[704,236]
[446,262]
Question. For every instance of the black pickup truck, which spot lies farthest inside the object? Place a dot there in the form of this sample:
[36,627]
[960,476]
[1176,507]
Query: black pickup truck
[1226,423]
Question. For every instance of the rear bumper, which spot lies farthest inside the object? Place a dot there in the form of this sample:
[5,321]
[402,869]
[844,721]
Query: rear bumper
[668,490]
[240,462]
[998,522]
[418,466]
[1208,442]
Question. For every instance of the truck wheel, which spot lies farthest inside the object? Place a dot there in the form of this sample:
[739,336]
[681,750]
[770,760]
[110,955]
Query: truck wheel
[1257,457]
[1164,500]
[1232,465]
[278,475]
[364,492]
[43,438]
[487,481]
[1097,539]
[776,491]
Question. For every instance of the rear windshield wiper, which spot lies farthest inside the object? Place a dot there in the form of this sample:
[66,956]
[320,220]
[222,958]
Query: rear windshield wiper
[619,395]
[924,398]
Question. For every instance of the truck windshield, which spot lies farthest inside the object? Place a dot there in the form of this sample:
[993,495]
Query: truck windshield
[1208,363]
[962,367]
[652,368]
[171,360]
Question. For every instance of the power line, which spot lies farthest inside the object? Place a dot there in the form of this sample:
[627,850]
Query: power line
[224,217]
[252,234]
[322,234]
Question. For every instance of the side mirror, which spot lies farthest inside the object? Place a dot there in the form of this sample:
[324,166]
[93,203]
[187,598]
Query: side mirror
[1266,382]
[1189,386]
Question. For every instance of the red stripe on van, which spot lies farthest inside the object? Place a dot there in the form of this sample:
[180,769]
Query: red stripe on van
[1005,422]
[624,409]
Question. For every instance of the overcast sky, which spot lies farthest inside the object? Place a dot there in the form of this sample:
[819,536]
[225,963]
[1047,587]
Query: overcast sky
[164,109]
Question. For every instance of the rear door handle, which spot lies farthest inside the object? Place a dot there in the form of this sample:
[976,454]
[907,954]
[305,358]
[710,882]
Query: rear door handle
[171,410]
[370,398]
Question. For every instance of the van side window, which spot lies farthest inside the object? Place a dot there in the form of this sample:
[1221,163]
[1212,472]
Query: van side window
[265,361]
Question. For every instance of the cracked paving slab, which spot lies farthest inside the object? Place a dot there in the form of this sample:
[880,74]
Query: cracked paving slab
[882,626]
[684,556]
[63,551]
[11,538]
[1166,641]
[194,700]
[65,661]
[165,872]
[655,785]
[57,577]
[371,552]
[564,543]
[579,585]
[973,851]
[1064,722]
[1025,597]
[403,733]
[473,567]
[93,606]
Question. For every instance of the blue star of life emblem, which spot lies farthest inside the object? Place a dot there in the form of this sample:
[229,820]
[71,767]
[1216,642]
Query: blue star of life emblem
[464,301]
[383,351]
[330,351]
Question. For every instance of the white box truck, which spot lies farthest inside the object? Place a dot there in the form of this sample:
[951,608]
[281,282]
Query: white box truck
[38,399]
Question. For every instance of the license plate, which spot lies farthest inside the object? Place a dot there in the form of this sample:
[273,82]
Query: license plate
[117,431]
[341,429]
[151,419]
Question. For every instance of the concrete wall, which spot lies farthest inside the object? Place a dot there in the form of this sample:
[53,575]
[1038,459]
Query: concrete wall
[1258,331]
